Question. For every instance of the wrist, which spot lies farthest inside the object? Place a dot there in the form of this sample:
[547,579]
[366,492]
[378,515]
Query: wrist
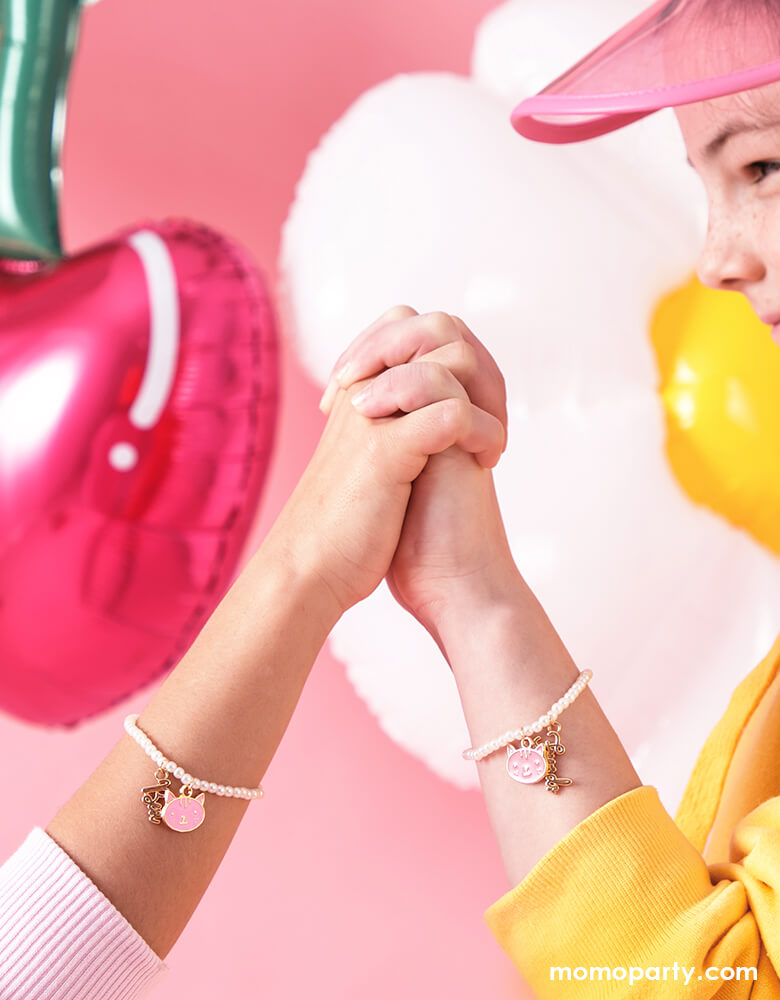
[297,575]
[490,601]
[502,630]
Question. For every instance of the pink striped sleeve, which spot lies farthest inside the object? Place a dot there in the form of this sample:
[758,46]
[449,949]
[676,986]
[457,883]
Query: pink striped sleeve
[60,937]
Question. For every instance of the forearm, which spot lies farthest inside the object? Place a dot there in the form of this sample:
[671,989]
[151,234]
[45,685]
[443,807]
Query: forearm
[510,666]
[221,714]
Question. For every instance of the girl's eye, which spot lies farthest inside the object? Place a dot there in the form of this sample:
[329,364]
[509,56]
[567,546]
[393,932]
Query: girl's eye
[762,168]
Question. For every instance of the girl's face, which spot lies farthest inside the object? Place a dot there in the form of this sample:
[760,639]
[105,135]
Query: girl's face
[733,144]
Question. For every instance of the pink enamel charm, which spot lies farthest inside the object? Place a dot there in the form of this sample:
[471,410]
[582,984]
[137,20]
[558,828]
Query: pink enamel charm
[526,764]
[183,813]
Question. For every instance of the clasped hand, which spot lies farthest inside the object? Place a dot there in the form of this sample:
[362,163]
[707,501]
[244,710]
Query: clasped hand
[400,484]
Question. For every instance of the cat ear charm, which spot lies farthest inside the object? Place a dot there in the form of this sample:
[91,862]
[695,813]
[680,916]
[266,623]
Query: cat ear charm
[183,812]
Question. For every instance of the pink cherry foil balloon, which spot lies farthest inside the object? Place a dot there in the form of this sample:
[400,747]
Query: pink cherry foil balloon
[138,400]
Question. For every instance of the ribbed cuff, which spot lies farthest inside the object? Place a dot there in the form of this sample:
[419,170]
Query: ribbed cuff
[60,937]
[624,886]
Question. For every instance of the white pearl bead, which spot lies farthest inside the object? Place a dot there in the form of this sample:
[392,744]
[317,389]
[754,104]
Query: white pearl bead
[536,727]
[178,772]
[186,778]
[157,757]
[220,789]
[229,791]
[172,765]
[212,786]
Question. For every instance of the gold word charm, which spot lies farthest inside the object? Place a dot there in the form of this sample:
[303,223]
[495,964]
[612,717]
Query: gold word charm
[152,796]
[552,748]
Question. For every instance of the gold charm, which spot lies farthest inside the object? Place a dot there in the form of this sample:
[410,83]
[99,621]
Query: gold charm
[152,795]
[552,748]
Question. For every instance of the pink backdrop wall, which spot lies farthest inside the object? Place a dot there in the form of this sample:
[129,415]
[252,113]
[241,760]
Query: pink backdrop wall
[367,876]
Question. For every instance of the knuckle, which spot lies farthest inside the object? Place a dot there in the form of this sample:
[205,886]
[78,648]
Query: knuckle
[390,380]
[441,325]
[432,377]
[445,381]
[465,355]
[405,383]
[398,312]
[459,323]
[456,413]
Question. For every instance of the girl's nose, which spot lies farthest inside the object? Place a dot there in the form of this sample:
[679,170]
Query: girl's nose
[728,259]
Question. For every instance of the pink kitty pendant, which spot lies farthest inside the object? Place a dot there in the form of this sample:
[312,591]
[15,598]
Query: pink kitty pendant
[536,759]
[526,764]
[180,812]
[184,813]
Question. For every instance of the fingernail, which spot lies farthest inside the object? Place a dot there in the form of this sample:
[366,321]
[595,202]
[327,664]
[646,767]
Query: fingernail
[361,397]
[342,372]
[327,397]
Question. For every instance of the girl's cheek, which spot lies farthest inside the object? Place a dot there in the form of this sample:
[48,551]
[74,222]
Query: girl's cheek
[766,226]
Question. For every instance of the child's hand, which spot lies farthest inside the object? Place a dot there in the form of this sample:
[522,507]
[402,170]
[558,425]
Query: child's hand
[342,523]
[453,551]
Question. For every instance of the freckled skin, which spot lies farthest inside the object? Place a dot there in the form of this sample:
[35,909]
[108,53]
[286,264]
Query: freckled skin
[742,249]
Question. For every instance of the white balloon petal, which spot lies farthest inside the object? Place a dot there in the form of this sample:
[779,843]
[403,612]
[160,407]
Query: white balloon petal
[521,46]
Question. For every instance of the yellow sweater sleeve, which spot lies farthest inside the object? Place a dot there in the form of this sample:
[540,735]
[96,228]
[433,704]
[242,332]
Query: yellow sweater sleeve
[626,888]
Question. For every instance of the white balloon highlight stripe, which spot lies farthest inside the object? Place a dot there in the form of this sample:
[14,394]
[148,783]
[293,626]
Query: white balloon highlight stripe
[164,336]
[163,329]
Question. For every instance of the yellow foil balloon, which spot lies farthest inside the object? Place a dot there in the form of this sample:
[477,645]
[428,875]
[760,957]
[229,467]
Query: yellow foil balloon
[720,385]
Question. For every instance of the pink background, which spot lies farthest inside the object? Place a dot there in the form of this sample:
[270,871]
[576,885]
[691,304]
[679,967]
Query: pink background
[367,875]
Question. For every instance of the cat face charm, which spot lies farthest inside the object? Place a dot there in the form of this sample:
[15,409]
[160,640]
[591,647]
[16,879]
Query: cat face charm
[183,812]
[527,765]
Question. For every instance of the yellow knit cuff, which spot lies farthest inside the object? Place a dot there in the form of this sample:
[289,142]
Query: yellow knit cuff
[625,886]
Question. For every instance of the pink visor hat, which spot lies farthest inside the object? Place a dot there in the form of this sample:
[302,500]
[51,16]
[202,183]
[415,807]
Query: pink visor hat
[675,52]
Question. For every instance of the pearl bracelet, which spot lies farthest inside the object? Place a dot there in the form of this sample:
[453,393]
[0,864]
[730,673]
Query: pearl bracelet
[183,812]
[529,764]
[487,748]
